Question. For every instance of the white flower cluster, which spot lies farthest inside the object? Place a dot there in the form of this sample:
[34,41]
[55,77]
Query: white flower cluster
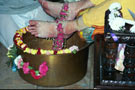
[132,29]
[17,59]
[116,22]
[74,48]
[115,7]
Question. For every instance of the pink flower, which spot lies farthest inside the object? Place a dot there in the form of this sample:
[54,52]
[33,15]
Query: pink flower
[18,60]
[59,26]
[19,63]
[43,68]
[63,13]
[25,68]
[66,7]
[47,53]
[60,36]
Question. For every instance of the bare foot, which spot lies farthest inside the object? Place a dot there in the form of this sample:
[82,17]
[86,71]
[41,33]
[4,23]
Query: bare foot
[54,8]
[48,29]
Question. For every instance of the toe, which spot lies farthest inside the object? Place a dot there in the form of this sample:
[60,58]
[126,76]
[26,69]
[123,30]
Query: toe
[33,22]
[34,33]
[32,27]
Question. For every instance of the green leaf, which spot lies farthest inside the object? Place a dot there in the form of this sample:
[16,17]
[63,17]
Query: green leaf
[37,73]
[30,67]
[74,51]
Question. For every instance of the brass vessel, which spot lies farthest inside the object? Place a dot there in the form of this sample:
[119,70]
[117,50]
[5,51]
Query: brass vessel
[64,69]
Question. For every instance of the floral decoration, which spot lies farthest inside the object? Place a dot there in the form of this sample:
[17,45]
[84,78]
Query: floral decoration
[115,7]
[12,54]
[116,21]
[18,61]
[25,68]
[18,40]
[43,68]
[58,42]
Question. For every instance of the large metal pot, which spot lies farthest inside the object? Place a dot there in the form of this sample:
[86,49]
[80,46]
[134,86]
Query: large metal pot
[64,69]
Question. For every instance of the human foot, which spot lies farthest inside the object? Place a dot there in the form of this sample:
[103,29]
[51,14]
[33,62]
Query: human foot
[48,29]
[54,8]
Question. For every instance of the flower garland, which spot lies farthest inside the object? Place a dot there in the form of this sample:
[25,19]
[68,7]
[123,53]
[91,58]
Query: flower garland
[36,74]
[58,42]
[18,40]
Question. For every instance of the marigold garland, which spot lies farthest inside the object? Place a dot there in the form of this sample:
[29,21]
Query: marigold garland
[58,42]
[18,40]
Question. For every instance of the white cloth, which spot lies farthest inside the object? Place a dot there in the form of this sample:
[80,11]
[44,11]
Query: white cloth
[10,23]
[17,6]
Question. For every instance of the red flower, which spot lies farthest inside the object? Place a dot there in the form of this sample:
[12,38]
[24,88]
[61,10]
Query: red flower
[38,51]
[55,52]
[33,74]
[25,47]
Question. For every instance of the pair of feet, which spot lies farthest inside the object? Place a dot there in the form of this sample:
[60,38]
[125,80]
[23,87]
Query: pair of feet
[48,29]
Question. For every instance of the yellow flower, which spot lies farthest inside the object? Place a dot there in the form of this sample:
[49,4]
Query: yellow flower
[23,45]
[22,30]
[20,33]
[18,38]
[34,51]
[60,52]
[67,51]
[19,42]
[10,56]
[26,50]
[43,51]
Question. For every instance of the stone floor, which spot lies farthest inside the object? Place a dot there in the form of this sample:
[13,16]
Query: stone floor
[12,80]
